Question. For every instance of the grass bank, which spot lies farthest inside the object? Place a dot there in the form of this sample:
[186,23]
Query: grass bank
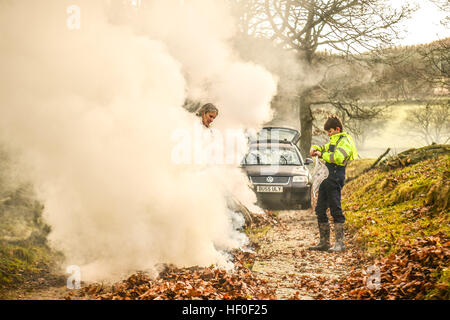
[24,251]
[383,207]
[392,212]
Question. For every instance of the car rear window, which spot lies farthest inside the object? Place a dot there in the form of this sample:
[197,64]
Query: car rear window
[272,156]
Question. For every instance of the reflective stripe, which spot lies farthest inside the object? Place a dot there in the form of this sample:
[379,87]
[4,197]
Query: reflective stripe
[332,158]
[343,152]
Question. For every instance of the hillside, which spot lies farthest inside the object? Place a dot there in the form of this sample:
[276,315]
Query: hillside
[25,256]
[401,218]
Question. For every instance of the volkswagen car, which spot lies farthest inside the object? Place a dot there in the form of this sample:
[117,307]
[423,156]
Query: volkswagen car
[277,172]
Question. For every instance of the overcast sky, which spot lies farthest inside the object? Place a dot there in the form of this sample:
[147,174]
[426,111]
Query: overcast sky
[424,26]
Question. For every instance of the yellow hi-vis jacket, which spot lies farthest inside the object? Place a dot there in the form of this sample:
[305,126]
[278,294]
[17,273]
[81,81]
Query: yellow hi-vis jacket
[339,154]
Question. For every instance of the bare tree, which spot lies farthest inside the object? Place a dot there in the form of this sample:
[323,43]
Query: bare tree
[363,129]
[360,128]
[444,6]
[422,70]
[347,26]
[248,13]
[430,122]
[436,67]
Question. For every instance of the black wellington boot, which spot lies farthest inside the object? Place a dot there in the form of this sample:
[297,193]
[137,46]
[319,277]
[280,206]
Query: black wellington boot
[324,244]
[339,246]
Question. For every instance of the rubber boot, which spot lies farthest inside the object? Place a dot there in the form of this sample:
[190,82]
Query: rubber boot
[339,246]
[324,244]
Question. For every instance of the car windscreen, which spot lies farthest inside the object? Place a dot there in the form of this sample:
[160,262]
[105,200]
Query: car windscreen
[272,156]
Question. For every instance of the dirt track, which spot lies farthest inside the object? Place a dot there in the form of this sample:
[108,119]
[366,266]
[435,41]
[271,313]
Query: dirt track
[43,287]
[294,271]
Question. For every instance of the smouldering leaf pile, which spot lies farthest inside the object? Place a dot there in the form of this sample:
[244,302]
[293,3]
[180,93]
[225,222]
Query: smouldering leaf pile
[193,283]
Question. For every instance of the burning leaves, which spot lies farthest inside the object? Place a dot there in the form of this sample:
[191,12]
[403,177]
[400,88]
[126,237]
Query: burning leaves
[268,219]
[193,283]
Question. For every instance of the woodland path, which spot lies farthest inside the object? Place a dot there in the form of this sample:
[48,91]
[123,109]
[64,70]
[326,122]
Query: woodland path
[293,271]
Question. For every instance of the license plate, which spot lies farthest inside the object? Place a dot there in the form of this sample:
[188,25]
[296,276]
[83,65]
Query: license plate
[269,189]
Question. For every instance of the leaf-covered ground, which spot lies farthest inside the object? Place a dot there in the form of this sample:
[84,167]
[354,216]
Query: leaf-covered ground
[281,268]
[418,270]
[186,284]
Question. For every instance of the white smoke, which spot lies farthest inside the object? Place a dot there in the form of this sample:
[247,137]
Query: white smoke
[93,110]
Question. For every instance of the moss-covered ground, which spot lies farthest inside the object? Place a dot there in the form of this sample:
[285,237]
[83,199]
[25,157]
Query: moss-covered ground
[403,204]
[24,250]
[386,209]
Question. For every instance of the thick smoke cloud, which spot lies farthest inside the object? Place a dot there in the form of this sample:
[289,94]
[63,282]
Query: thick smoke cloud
[92,112]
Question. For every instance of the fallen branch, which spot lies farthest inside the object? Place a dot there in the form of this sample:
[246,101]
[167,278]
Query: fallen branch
[378,160]
[412,156]
[235,205]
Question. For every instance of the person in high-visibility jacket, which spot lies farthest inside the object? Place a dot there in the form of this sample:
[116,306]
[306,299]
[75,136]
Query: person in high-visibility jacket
[337,154]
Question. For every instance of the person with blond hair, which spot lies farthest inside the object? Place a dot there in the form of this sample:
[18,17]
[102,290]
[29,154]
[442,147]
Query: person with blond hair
[207,113]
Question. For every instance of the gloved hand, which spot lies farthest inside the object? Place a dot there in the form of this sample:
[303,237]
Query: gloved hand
[313,152]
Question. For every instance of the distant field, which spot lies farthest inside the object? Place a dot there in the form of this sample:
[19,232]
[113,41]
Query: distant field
[394,134]
[357,166]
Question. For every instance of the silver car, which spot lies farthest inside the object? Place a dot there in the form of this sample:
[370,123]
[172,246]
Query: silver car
[274,165]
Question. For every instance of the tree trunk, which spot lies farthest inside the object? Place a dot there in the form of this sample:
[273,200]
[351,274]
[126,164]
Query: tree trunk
[306,121]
